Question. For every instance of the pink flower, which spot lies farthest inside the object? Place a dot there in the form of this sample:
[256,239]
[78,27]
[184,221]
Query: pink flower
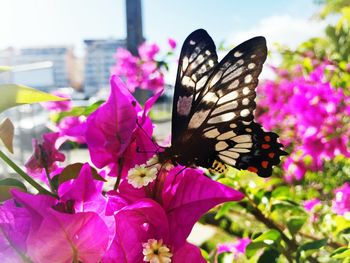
[310,204]
[45,156]
[109,128]
[182,198]
[139,72]
[14,226]
[118,133]
[72,128]
[59,106]
[148,51]
[311,115]
[172,43]
[74,236]
[137,224]
[295,168]
[236,248]
[70,224]
[341,201]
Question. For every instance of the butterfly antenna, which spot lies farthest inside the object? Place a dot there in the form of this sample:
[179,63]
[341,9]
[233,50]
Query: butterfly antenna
[150,138]
[174,179]
[138,150]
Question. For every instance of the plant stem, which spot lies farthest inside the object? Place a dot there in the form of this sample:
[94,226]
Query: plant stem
[52,187]
[332,244]
[25,176]
[292,245]
[119,175]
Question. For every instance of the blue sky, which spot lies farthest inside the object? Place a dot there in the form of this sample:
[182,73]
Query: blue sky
[41,22]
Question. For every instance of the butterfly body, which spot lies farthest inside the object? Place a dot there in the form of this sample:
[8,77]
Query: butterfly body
[213,120]
[195,155]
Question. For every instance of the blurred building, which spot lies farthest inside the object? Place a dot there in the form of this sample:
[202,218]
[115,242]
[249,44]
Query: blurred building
[57,62]
[39,75]
[59,56]
[6,59]
[99,58]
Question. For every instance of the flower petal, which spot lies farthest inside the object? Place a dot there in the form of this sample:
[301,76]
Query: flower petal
[65,237]
[36,205]
[14,229]
[187,196]
[109,127]
[136,224]
[85,191]
[188,253]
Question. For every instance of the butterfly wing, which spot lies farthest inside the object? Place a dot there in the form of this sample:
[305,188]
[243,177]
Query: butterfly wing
[197,59]
[222,116]
[229,93]
[245,145]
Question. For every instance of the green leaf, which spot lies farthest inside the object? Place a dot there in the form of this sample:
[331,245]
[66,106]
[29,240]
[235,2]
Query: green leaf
[268,239]
[288,205]
[252,248]
[77,111]
[225,257]
[282,193]
[269,256]
[310,246]
[342,252]
[314,244]
[307,63]
[224,209]
[7,184]
[5,68]
[341,224]
[13,95]
[72,171]
[204,254]
[295,224]
[7,131]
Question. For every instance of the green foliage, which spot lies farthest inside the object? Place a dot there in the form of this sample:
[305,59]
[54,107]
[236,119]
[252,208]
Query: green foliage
[309,246]
[7,184]
[334,174]
[76,111]
[335,46]
[295,224]
[269,239]
[14,95]
[331,7]
[342,252]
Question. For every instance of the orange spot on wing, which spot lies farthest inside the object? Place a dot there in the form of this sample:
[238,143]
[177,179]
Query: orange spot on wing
[267,138]
[252,169]
[265,146]
[264,164]
[271,155]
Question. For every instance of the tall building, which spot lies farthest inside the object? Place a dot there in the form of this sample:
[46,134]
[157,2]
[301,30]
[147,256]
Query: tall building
[57,60]
[58,55]
[99,58]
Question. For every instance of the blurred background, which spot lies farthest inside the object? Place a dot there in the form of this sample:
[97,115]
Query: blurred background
[70,46]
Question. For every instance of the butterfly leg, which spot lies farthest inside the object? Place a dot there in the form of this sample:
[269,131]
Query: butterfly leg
[218,167]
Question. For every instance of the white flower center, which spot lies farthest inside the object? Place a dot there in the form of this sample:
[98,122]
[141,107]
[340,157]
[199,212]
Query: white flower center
[140,175]
[155,252]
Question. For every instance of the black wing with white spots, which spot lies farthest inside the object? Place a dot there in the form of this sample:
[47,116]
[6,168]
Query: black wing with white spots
[197,60]
[245,145]
[217,124]
[229,93]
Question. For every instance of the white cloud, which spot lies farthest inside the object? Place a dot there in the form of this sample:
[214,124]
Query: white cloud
[283,29]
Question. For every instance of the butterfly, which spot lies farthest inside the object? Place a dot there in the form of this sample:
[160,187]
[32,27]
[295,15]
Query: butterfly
[212,117]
